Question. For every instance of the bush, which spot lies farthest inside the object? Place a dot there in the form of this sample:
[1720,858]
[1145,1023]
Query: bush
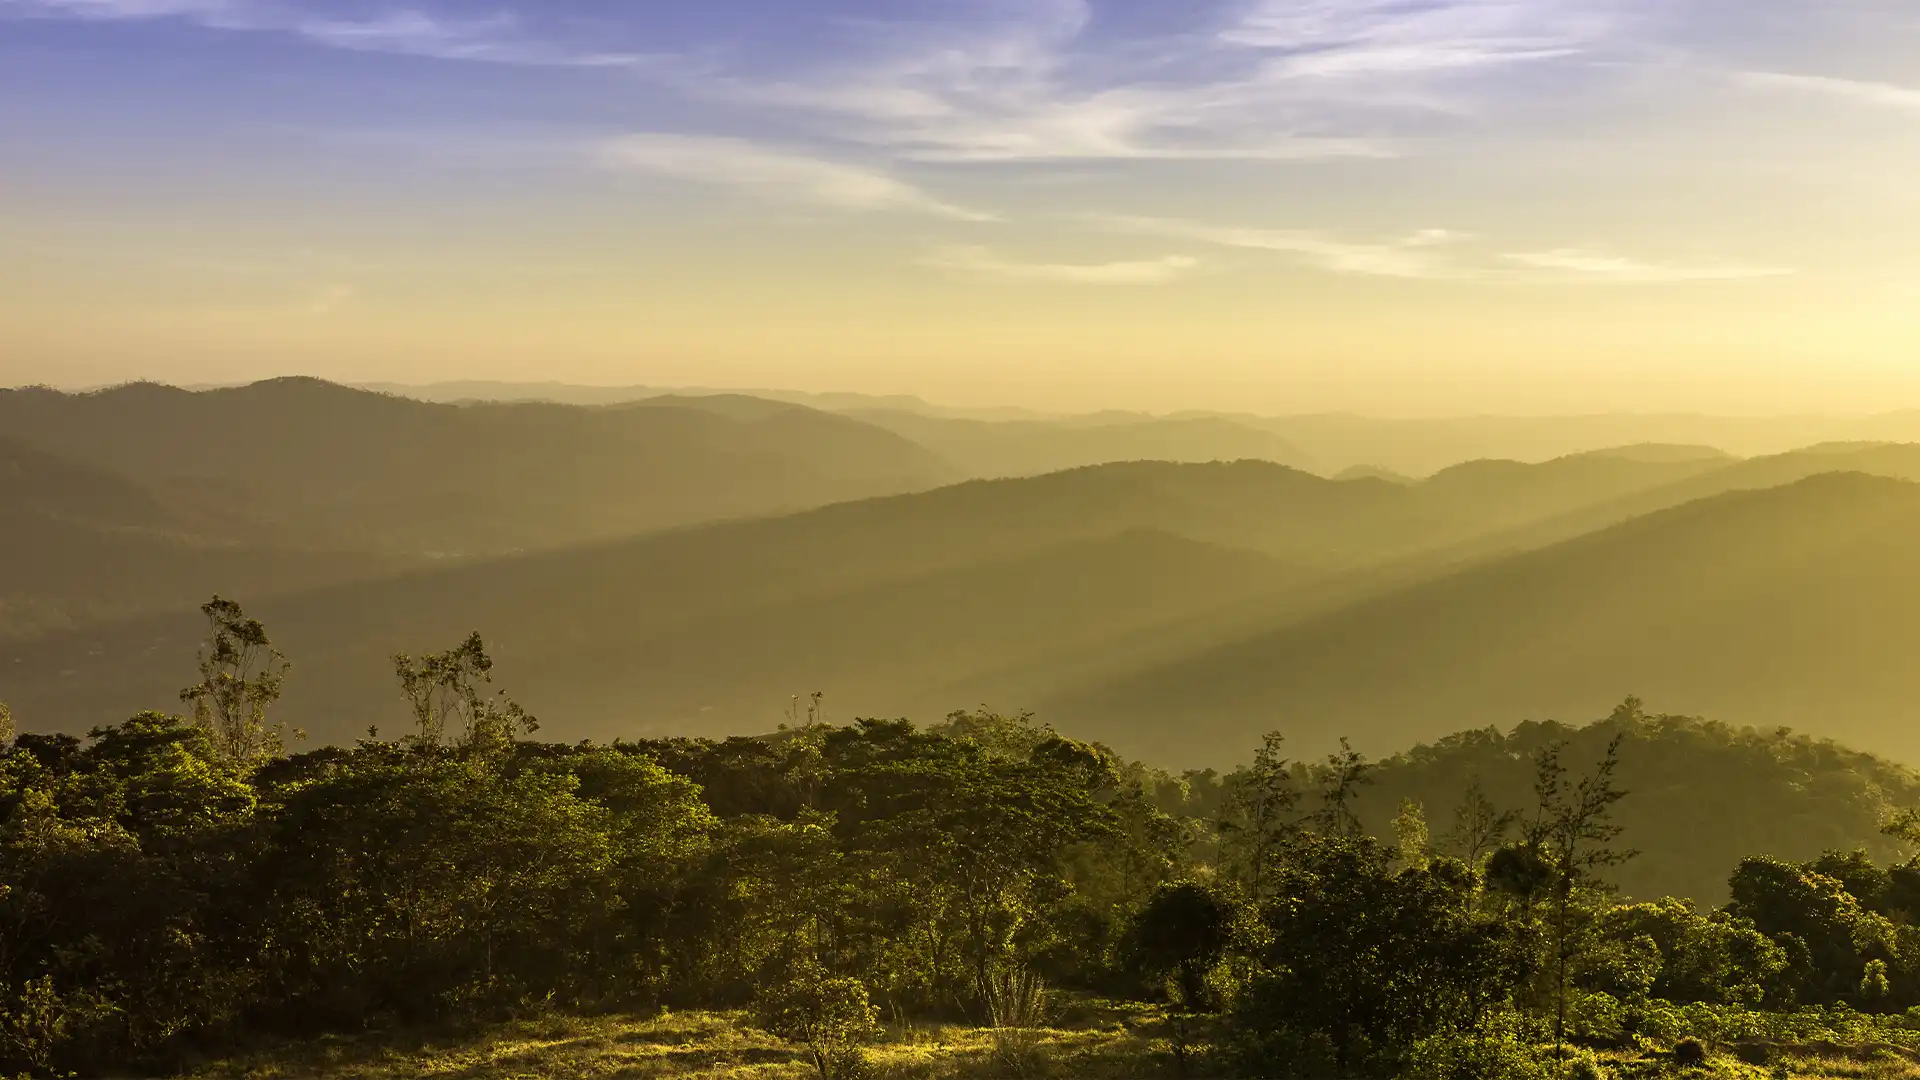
[1499,1049]
[829,1015]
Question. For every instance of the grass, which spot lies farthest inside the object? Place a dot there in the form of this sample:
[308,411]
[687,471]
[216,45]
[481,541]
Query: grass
[1097,1042]
[1088,1040]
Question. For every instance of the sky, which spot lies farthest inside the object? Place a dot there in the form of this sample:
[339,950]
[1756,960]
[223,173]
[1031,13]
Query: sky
[1399,207]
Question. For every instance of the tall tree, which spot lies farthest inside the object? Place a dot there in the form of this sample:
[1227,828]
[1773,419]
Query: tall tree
[1478,825]
[1410,837]
[1572,831]
[444,690]
[1341,778]
[1258,818]
[241,675]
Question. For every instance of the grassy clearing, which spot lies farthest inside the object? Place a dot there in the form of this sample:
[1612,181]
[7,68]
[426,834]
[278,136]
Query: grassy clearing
[1095,1042]
[1090,1041]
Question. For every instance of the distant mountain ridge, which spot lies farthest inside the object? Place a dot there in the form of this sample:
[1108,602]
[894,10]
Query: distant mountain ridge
[322,465]
[1331,442]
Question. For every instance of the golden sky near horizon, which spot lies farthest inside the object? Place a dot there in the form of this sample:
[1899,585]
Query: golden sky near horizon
[1276,205]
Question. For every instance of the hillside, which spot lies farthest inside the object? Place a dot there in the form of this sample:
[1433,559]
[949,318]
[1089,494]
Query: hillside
[891,605]
[752,612]
[1702,794]
[1702,479]
[1793,606]
[33,482]
[1013,591]
[312,464]
[83,545]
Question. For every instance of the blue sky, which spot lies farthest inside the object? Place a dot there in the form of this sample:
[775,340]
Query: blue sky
[1388,204]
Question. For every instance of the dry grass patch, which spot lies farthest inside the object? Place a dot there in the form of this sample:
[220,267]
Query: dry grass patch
[1108,1043]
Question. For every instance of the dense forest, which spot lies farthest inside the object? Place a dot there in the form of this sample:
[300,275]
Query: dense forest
[174,885]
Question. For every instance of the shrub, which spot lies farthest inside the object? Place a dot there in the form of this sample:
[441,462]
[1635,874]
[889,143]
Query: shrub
[1689,1054]
[1499,1049]
[829,1015]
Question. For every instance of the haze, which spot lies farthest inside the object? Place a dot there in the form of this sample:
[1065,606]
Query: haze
[1283,206]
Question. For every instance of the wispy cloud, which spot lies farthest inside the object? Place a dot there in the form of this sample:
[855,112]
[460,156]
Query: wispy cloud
[776,174]
[1877,94]
[1399,37]
[980,262]
[1437,255]
[1030,82]
[1417,255]
[1583,264]
[501,39]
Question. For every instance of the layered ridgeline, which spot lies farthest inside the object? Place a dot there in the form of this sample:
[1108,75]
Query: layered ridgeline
[145,498]
[1797,605]
[1007,590]
[312,464]
[1172,610]
[1330,442]
[83,545]
[998,448]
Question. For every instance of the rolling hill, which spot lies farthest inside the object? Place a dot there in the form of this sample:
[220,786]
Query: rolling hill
[83,545]
[314,465]
[1797,605]
[1005,589]
[630,635]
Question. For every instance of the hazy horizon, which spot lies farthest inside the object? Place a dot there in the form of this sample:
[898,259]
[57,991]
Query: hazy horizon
[450,390]
[1274,206]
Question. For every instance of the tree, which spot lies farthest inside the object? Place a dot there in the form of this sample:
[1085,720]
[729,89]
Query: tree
[241,675]
[1572,832]
[1341,778]
[829,1015]
[6,725]
[1478,826]
[1365,960]
[1182,935]
[1410,839]
[443,690]
[1257,818]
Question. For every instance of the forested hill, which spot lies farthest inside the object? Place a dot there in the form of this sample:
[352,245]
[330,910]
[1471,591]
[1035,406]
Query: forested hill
[989,590]
[312,463]
[1797,605]
[1704,793]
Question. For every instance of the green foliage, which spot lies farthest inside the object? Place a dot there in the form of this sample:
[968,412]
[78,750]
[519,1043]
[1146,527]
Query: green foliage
[241,675]
[1364,961]
[443,690]
[1502,1046]
[1182,935]
[171,885]
[829,1015]
[1705,795]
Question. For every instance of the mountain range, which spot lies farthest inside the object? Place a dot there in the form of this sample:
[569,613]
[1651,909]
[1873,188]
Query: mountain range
[653,568]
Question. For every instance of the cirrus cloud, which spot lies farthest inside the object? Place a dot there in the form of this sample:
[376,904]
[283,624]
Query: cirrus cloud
[1585,264]
[775,174]
[981,262]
